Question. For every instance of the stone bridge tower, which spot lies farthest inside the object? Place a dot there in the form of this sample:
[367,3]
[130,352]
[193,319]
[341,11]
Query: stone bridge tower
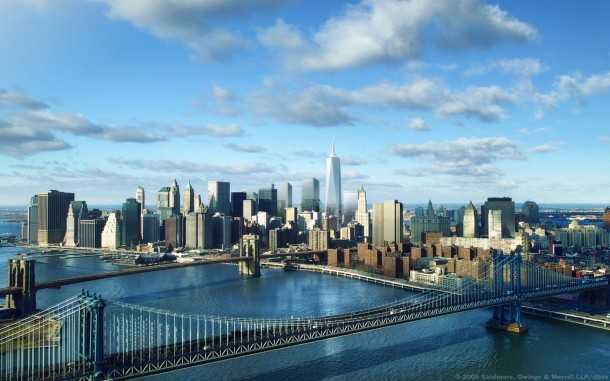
[248,247]
[21,275]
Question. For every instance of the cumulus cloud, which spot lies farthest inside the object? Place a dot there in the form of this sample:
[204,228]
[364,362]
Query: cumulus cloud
[521,67]
[482,103]
[386,31]
[418,124]
[194,23]
[317,106]
[577,86]
[461,157]
[17,100]
[543,148]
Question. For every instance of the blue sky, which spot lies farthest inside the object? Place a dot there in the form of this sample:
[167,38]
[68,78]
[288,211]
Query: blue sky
[444,100]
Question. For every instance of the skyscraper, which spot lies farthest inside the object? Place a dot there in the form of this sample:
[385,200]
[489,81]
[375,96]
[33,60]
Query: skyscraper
[33,220]
[470,225]
[606,219]
[219,197]
[350,205]
[52,216]
[141,197]
[392,221]
[163,209]
[333,184]
[174,197]
[267,200]
[189,199]
[77,210]
[310,195]
[507,206]
[284,196]
[494,223]
[429,222]
[362,214]
[531,213]
[130,226]
[237,204]
[111,234]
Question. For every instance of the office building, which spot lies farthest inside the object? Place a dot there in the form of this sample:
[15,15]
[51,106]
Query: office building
[111,234]
[310,195]
[32,223]
[221,231]
[219,197]
[141,197]
[151,231]
[90,232]
[237,203]
[130,224]
[470,222]
[507,206]
[189,199]
[290,215]
[249,208]
[350,205]
[318,239]
[284,196]
[174,197]
[333,184]
[531,212]
[77,210]
[362,214]
[494,223]
[174,232]
[199,231]
[392,221]
[429,222]
[162,208]
[267,200]
[52,216]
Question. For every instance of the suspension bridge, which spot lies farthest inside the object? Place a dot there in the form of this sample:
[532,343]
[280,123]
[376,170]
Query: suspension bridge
[90,338]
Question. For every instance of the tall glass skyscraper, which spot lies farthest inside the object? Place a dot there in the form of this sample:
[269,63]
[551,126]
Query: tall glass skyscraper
[130,213]
[219,197]
[333,184]
[350,205]
[310,195]
[52,216]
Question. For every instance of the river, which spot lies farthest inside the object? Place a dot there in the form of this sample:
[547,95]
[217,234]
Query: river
[451,347]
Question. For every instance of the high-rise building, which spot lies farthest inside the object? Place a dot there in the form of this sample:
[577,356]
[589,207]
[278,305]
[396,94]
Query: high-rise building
[163,209]
[333,184]
[267,200]
[310,195]
[77,210]
[237,204]
[470,222]
[141,197]
[174,232]
[284,196]
[32,229]
[362,213]
[189,199]
[111,234]
[378,221]
[494,223]
[392,221]
[531,212]
[52,216]
[90,232]
[219,197]
[130,225]
[290,215]
[606,219]
[507,206]
[350,205]
[199,229]
[221,231]
[174,197]
[150,228]
[250,208]
[429,222]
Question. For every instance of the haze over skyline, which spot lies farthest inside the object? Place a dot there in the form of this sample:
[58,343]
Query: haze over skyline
[444,100]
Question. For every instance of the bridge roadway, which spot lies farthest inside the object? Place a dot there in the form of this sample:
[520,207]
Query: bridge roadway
[143,269]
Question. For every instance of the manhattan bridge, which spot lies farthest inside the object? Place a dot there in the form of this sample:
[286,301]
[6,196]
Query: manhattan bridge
[90,338]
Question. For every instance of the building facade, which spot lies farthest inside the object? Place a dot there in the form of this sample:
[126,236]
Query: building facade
[219,197]
[111,234]
[52,216]
[267,200]
[429,222]
[334,205]
[507,206]
[310,195]
[130,226]
[32,228]
[76,211]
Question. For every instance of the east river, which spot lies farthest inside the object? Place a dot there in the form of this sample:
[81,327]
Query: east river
[454,347]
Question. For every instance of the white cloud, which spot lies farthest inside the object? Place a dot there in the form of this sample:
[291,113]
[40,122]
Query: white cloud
[576,86]
[418,124]
[244,148]
[482,103]
[385,31]
[543,148]
[421,94]
[521,67]
[461,157]
[194,23]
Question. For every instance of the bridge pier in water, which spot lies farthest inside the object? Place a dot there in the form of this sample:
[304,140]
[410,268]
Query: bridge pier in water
[513,322]
[248,247]
[21,275]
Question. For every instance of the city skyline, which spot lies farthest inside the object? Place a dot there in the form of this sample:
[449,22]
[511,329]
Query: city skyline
[455,101]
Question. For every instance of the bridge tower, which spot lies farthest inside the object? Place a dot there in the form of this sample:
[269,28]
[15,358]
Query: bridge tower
[21,275]
[91,344]
[248,247]
[510,273]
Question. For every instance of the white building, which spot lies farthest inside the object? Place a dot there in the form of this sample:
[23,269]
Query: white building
[111,235]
